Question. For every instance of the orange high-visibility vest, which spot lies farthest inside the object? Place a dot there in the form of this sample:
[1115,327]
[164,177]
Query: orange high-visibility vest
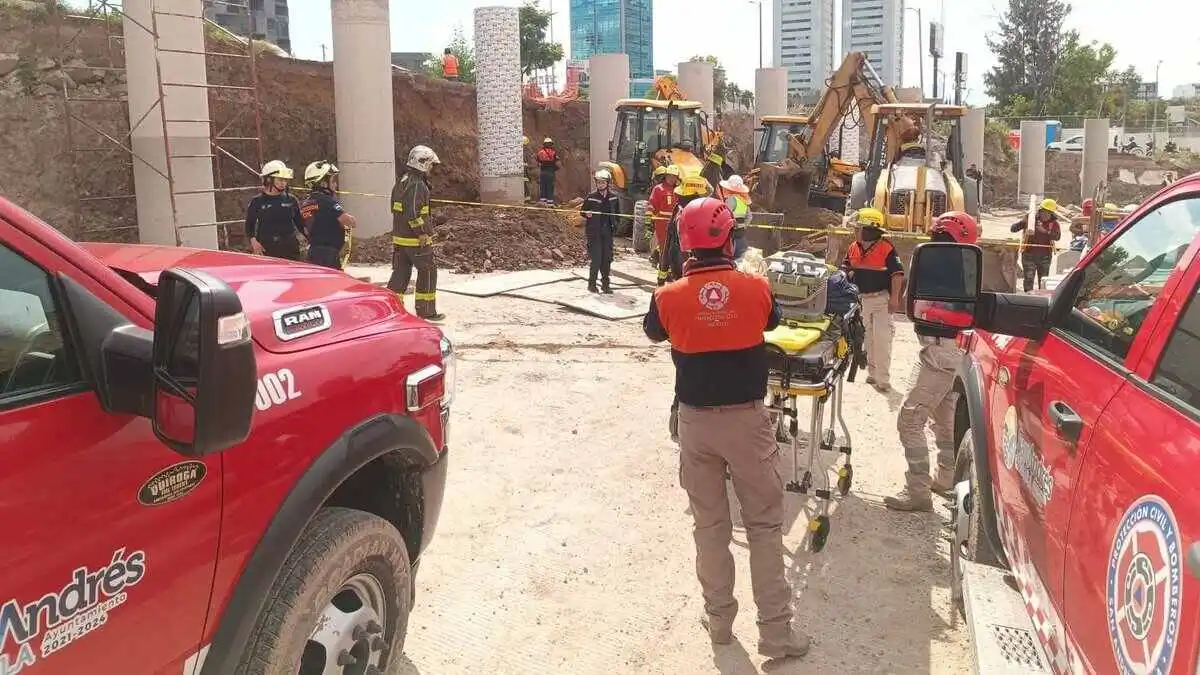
[449,65]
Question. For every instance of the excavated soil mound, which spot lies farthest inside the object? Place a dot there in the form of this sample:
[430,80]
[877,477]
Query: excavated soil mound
[486,239]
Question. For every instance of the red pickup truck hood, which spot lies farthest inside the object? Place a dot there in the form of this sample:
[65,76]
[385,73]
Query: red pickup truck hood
[267,286]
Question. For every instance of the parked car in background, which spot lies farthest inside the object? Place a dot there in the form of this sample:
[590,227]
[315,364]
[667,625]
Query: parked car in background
[1072,144]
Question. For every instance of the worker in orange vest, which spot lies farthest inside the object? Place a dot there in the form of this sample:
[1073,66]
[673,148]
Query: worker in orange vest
[661,205]
[449,65]
[547,159]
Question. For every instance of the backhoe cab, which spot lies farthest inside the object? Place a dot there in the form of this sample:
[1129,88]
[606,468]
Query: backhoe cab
[830,174]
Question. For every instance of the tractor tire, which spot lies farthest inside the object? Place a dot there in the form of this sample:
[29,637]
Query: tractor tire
[342,599]
[641,242]
[970,188]
[625,224]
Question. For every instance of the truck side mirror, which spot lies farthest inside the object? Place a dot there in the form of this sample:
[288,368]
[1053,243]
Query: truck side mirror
[944,285]
[204,371]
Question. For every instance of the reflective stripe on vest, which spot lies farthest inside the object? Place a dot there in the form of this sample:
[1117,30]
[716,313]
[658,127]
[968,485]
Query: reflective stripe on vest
[411,242]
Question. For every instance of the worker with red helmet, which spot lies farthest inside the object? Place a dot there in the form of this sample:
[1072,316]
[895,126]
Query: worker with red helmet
[714,317]
[932,397]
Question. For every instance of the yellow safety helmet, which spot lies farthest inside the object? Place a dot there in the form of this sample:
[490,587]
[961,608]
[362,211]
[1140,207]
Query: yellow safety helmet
[870,217]
[660,171]
[693,186]
[524,140]
[1110,210]
[276,169]
[1049,205]
[318,171]
[673,170]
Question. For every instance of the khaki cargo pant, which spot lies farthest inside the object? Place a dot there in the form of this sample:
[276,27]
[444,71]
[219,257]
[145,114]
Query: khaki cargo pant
[931,399]
[877,320]
[743,438]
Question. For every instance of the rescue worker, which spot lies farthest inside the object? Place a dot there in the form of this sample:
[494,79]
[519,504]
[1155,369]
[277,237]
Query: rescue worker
[670,262]
[660,206]
[932,397]
[600,210]
[273,222]
[714,318]
[547,159]
[873,266]
[449,65]
[412,234]
[529,161]
[326,222]
[1039,243]
[736,194]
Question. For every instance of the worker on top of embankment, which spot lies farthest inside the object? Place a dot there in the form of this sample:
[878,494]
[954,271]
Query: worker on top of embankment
[660,206]
[449,65]
[872,264]
[412,234]
[547,159]
[670,263]
[1038,246]
[274,225]
[932,397]
[736,194]
[715,317]
[326,222]
[600,210]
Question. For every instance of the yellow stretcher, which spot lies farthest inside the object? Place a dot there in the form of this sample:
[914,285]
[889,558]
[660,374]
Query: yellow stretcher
[812,358]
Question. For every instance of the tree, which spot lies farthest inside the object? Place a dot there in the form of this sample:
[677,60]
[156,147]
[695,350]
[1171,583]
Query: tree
[536,52]
[461,48]
[1027,45]
[1079,87]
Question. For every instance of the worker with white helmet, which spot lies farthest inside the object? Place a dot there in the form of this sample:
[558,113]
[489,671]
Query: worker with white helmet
[324,218]
[412,234]
[273,222]
[600,210]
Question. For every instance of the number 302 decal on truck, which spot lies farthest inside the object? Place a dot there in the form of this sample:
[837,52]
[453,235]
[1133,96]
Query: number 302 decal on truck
[78,608]
[276,388]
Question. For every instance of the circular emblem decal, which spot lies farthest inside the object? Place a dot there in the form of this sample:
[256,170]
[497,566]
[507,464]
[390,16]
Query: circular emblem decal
[1011,438]
[714,295]
[1145,588]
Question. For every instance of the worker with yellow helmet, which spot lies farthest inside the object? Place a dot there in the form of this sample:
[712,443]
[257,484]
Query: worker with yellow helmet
[1038,245]
[670,263]
[660,205]
[872,264]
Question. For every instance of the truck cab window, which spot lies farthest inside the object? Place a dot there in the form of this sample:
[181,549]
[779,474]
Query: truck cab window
[1121,284]
[1178,371]
[35,359]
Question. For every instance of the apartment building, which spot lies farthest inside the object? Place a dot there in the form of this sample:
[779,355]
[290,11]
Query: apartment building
[616,27]
[876,27]
[804,42]
[270,19]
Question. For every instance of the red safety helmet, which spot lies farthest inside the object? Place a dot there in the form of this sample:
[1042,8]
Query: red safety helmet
[706,223]
[961,227]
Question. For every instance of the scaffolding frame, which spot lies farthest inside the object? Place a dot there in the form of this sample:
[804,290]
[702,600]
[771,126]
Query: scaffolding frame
[106,11]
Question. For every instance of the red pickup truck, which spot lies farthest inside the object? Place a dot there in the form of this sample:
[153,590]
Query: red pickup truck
[210,463]
[1077,512]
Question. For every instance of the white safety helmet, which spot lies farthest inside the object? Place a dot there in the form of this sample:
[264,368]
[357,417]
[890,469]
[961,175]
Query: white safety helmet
[276,169]
[422,158]
[318,171]
[603,175]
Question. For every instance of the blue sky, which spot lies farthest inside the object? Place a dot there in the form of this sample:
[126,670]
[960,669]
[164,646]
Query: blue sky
[1141,42]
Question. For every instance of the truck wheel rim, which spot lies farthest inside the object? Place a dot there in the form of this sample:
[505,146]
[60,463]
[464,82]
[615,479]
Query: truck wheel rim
[348,638]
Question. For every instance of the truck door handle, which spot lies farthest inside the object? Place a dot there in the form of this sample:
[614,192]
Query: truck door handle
[1193,560]
[1067,423]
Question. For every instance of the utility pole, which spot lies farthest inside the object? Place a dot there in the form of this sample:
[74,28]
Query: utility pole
[1154,102]
[323,53]
[936,39]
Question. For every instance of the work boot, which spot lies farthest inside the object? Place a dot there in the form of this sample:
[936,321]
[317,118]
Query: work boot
[790,645]
[592,288]
[882,387]
[719,631]
[943,481]
[606,289]
[437,316]
[870,379]
[910,500]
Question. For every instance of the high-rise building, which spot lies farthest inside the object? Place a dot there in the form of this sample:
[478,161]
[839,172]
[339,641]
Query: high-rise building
[270,19]
[616,27]
[876,28]
[804,42]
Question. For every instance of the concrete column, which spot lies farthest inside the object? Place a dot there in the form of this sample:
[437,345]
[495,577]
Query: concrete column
[362,98]
[972,137]
[1031,165]
[608,83]
[182,30]
[696,81]
[498,104]
[770,91]
[1095,157]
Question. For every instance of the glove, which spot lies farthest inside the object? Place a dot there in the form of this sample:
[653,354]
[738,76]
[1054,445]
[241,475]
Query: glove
[425,240]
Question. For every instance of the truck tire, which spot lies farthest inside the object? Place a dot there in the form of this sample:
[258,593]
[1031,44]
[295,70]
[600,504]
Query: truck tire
[350,574]
[625,225]
[641,243]
[970,188]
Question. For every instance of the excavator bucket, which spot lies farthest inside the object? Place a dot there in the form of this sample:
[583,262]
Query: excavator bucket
[782,187]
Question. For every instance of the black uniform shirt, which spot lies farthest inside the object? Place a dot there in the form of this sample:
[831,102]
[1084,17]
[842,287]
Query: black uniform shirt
[272,217]
[321,211]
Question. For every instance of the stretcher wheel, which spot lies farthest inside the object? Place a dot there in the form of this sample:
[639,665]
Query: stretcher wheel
[845,478]
[820,532]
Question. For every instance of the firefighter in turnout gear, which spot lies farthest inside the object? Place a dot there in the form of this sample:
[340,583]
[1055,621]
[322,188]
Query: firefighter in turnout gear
[932,398]
[412,234]
[326,222]
[660,206]
[872,264]
[714,318]
[670,262]
[274,225]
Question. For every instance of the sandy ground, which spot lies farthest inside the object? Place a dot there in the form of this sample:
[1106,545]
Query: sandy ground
[564,545]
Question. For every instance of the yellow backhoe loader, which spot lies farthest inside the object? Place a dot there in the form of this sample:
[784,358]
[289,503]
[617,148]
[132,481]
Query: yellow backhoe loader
[796,166]
[915,173]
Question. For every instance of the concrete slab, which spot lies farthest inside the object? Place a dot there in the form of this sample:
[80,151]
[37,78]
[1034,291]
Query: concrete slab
[626,303]
[483,287]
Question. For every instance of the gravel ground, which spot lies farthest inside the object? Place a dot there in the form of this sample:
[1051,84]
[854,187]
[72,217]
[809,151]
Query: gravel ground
[564,545]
